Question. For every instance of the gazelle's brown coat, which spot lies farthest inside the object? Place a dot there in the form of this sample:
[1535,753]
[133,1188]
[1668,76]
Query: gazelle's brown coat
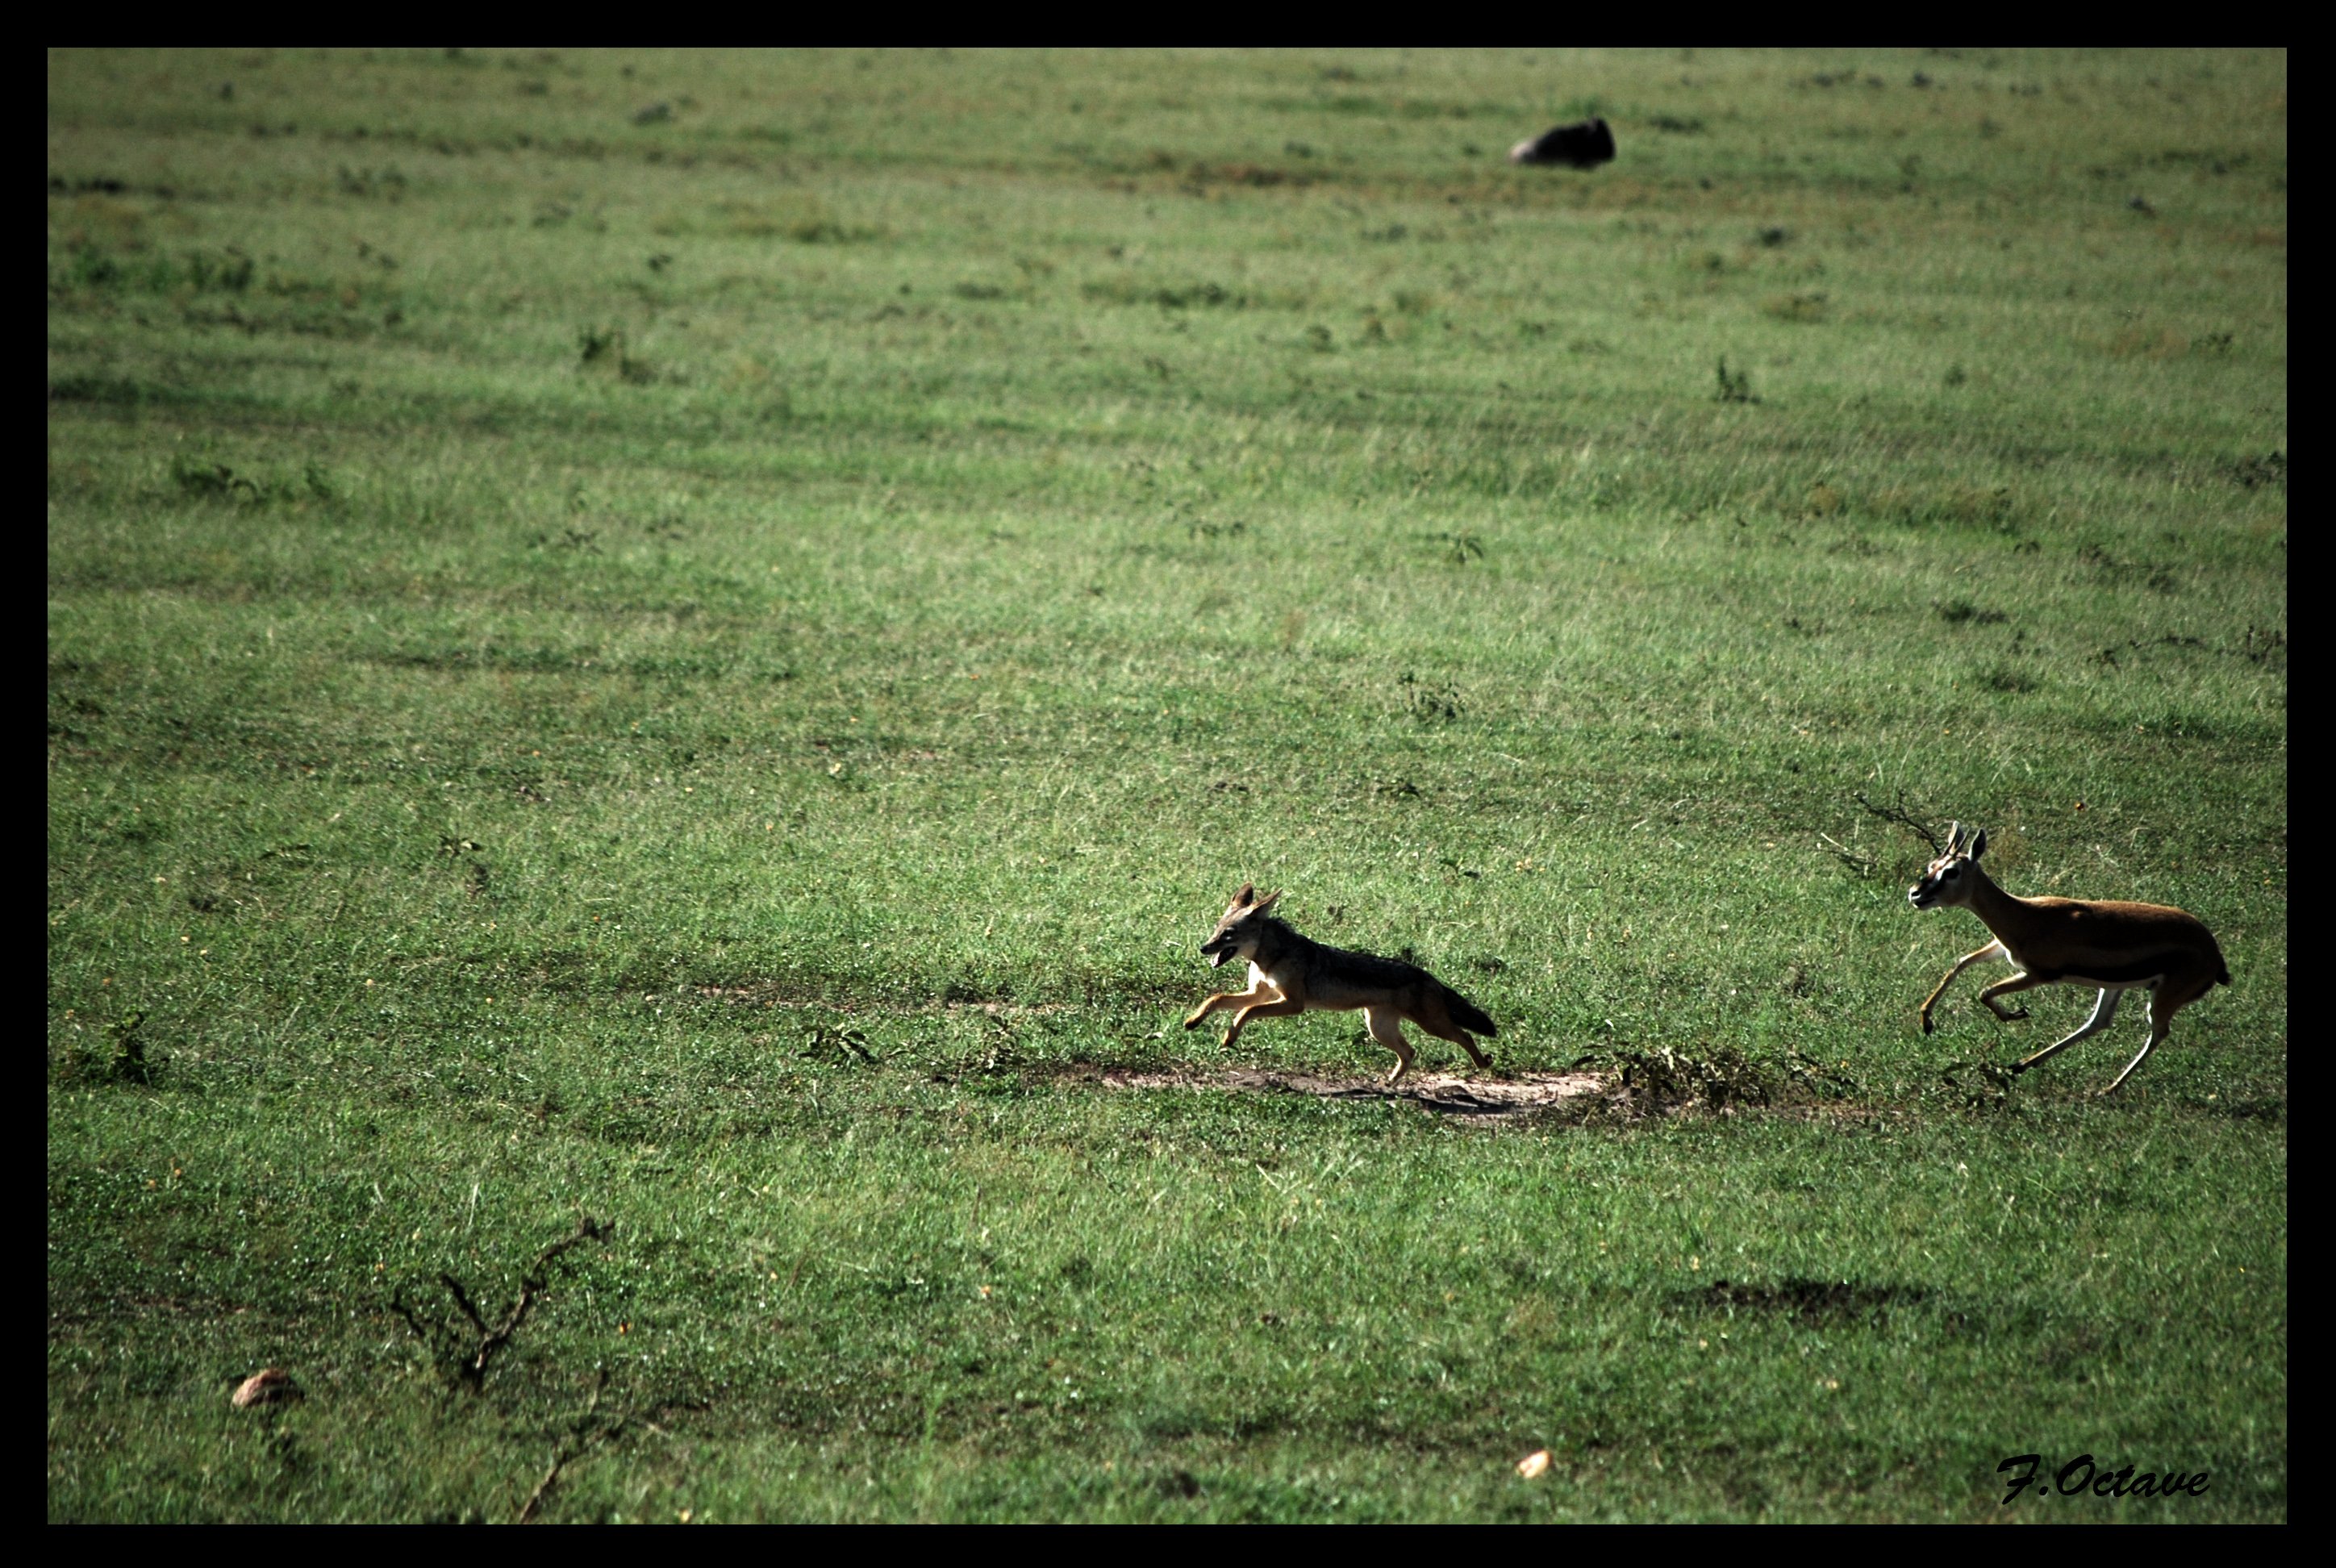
[2118,946]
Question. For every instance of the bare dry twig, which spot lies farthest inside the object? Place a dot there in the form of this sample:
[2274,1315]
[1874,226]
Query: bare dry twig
[471,1361]
[1864,865]
[584,1435]
[1899,814]
[582,1440]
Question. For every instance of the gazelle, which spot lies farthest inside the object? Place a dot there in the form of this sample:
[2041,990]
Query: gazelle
[2118,947]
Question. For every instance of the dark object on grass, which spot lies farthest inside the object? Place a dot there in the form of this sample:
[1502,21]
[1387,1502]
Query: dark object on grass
[1582,145]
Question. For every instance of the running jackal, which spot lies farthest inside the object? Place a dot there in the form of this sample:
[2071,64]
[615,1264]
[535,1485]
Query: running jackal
[1288,973]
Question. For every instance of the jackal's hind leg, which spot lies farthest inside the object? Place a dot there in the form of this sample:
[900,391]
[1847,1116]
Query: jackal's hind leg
[1387,1028]
[1458,1037]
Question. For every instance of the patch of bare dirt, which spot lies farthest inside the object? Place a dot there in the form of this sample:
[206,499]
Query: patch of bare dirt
[1488,1096]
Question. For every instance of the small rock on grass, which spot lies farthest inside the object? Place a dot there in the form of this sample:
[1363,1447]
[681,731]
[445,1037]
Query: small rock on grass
[268,1386]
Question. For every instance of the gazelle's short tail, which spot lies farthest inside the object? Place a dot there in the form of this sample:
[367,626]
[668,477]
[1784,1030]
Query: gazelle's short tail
[1467,1014]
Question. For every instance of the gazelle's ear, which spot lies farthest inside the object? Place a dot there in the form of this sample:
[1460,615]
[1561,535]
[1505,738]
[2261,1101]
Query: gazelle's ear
[1979,844]
[1954,838]
[1266,902]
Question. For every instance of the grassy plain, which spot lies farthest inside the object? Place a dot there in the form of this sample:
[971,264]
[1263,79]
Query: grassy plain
[696,640]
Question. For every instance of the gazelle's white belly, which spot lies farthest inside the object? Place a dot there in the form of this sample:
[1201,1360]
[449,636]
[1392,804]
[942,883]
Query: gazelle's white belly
[2146,984]
[2065,975]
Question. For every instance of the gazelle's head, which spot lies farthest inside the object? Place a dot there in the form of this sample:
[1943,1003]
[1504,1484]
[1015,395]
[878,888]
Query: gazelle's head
[1237,934]
[1949,880]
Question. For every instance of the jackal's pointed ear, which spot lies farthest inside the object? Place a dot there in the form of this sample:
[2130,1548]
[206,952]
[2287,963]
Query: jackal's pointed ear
[1242,899]
[1979,844]
[1266,902]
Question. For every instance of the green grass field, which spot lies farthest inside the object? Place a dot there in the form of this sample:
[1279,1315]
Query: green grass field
[697,641]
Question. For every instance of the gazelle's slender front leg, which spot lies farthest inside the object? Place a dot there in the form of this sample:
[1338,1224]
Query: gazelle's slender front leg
[2021,982]
[2104,1012]
[1992,950]
[1260,992]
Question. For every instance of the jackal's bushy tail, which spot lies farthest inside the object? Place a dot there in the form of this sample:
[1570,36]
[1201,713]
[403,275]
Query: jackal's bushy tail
[1467,1014]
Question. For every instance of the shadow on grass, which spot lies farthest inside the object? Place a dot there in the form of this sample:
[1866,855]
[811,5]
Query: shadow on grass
[1812,1302]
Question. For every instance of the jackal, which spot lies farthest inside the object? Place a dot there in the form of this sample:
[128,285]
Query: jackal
[1288,973]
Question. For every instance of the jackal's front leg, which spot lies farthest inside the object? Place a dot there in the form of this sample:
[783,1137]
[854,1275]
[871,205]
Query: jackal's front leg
[1260,992]
[1275,1005]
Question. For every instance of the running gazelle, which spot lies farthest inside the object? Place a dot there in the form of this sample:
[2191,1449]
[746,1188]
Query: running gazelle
[2118,947]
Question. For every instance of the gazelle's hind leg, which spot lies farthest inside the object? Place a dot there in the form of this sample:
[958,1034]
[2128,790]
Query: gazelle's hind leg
[1387,1028]
[2157,1031]
[2169,998]
[2104,1012]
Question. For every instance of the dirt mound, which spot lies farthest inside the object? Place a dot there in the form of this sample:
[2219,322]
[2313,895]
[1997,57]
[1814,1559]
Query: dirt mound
[1516,1095]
